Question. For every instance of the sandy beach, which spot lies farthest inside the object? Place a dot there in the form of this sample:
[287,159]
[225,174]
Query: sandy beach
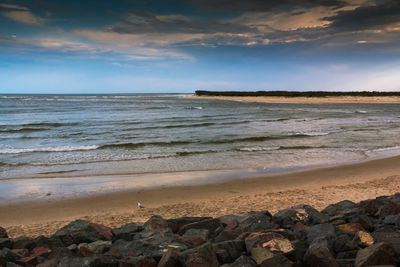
[316,100]
[317,187]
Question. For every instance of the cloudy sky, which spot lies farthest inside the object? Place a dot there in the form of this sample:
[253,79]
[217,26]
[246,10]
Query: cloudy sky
[129,46]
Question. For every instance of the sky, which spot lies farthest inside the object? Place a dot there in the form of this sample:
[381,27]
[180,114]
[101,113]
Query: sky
[151,46]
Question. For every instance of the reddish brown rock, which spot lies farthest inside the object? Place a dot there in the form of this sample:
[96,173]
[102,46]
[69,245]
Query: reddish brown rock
[48,263]
[203,256]
[319,255]
[40,251]
[28,261]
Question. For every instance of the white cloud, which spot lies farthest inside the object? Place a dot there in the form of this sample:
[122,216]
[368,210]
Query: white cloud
[21,14]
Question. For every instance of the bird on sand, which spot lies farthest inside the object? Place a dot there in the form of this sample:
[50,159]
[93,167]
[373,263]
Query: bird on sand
[140,206]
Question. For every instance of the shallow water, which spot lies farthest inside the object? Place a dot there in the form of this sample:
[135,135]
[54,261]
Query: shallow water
[84,135]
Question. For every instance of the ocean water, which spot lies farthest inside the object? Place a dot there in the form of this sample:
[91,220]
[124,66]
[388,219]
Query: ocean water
[55,136]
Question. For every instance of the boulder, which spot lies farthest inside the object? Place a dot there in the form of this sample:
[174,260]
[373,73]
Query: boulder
[319,255]
[170,258]
[48,263]
[377,254]
[264,257]
[3,233]
[321,231]
[351,227]
[229,251]
[194,237]
[157,223]
[364,239]
[305,214]
[75,261]
[256,221]
[138,262]
[40,251]
[201,256]
[127,231]
[24,242]
[210,224]
[176,224]
[226,235]
[345,242]
[81,231]
[258,238]
[392,220]
[340,207]
[5,243]
[244,261]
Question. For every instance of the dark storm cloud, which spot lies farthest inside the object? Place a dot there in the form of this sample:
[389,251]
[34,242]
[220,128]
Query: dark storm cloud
[364,18]
[138,22]
[262,5]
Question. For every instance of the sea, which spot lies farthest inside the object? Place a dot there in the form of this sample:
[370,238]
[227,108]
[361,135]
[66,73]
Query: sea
[65,145]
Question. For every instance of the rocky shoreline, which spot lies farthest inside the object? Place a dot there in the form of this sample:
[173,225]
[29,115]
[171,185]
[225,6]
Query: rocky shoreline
[343,234]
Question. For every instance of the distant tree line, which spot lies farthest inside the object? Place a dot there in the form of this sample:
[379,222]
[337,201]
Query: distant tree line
[294,93]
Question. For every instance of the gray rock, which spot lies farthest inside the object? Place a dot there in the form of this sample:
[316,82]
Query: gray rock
[170,258]
[210,224]
[377,254]
[256,222]
[5,243]
[127,231]
[321,231]
[319,254]
[176,224]
[80,231]
[138,262]
[244,261]
[157,223]
[229,251]
[340,207]
[264,257]
[304,214]
[75,261]
[3,233]
[392,219]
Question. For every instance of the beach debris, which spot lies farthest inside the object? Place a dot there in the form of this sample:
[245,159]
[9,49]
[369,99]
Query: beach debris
[140,206]
[343,234]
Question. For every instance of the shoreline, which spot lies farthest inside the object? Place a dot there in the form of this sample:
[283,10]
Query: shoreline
[306,100]
[317,187]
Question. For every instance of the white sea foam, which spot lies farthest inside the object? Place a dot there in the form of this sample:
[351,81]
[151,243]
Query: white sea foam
[46,149]
[386,149]
[258,148]
[314,133]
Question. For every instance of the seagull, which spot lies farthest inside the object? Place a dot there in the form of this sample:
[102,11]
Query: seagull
[140,206]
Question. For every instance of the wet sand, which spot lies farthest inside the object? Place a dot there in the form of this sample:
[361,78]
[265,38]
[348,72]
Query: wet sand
[314,100]
[317,187]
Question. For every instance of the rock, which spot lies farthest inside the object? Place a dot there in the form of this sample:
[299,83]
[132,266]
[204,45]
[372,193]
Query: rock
[351,254]
[126,231]
[393,220]
[48,263]
[194,237]
[258,238]
[170,258]
[229,251]
[321,231]
[351,227]
[11,264]
[138,262]
[226,235]
[210,224]
[279,245]
[377,254]
[28,261]
[345,242]
[84,250]
[256,222]
[364,220]
[379,207]
[23,243]
[176,224]
[365,239]
[244,261]
[301,213]
[40,251]
[390,238]
[156,223]
[81,231]
[264,257]
[100,246]
[75,261]
[48,242]
[201,256]
[5,243]
[3,233]
[9,255]
[339,207]
[319,255]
